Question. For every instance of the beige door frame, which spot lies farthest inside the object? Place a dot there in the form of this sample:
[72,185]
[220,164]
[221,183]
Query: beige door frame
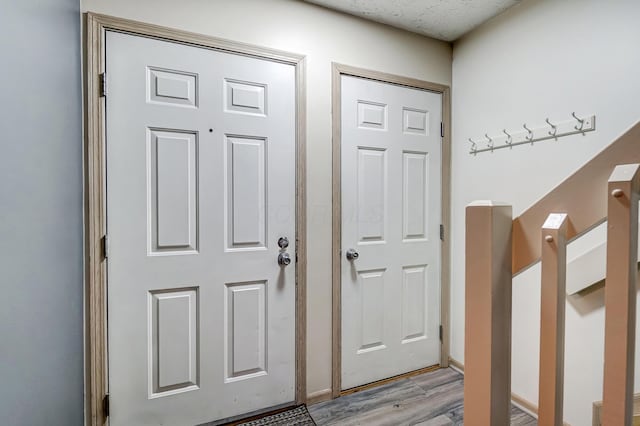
[338,70]
[96,356]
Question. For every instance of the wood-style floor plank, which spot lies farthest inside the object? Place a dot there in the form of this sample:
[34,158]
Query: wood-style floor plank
[351,406]
[431,399]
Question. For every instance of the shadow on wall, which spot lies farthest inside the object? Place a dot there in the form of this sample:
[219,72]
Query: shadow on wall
[592,298]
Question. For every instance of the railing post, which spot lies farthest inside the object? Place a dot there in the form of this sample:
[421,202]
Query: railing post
[552,314]
[620,295]
[487,355]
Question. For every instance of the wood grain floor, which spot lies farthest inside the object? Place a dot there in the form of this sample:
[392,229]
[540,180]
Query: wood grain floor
[431,399]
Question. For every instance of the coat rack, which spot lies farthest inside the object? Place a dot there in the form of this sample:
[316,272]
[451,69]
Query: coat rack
[527,135]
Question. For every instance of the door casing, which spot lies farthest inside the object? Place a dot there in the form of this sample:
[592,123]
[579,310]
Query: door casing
[339,70]
[96,354]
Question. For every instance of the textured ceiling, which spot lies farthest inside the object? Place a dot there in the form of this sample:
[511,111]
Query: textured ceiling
[442,19]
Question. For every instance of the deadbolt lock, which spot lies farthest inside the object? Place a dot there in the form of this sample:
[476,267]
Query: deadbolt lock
[283,242]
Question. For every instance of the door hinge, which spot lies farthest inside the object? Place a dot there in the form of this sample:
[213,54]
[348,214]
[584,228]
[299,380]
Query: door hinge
[105,246]
[105,405]
[440,332]
[441,129]
[103,85]
[442,232]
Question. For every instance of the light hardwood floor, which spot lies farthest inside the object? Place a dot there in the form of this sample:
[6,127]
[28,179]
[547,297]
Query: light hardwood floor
[430,399]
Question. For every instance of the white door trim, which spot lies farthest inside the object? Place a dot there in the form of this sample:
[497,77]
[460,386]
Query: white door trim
[96,356]
[339,70]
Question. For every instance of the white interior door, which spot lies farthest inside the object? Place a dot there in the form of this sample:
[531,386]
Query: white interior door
[391,189]
[200,187]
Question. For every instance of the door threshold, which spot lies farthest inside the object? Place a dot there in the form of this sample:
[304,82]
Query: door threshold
[390,380]
[252,415]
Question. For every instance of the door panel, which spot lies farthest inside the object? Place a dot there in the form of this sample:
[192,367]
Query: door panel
[390,174]
[247,182]
[173,187]
[371,207]
[246,330]
[414,303]
[174,340]
[371,322]
[200,186]
[415,196]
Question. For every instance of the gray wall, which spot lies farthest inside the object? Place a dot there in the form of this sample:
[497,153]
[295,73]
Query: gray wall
[41,364]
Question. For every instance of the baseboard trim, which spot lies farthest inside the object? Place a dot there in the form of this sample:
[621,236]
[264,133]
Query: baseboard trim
[526,406]
[518,401]
[319,396]
[456,365]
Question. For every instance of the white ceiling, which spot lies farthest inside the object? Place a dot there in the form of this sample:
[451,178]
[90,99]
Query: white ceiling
[442,19]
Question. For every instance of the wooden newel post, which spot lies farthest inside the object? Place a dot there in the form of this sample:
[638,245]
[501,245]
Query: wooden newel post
[620,295]
[552,314]
[487,355]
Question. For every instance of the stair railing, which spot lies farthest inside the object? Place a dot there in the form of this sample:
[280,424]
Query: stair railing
[488,280]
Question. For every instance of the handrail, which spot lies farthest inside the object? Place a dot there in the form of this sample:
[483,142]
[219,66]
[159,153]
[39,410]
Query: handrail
[583,196]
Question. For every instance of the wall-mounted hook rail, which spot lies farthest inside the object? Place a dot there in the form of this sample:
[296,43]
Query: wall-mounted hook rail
[575,125]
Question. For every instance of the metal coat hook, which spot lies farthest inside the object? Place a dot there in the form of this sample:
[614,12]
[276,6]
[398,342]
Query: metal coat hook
[474,146]
[554,127]
[489,141]
[529,137]
[509,140]
[579,120]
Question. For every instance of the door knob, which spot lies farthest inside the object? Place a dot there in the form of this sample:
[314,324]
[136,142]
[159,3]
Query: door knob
[352,254]
[284,259]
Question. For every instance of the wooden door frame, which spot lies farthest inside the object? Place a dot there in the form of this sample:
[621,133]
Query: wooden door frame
[96,356]
[339,70]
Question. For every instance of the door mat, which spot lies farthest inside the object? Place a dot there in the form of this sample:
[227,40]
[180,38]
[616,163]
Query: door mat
[298,416]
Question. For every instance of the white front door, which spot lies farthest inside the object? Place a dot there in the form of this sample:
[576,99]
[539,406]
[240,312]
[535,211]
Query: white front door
[391,186]
[200,186]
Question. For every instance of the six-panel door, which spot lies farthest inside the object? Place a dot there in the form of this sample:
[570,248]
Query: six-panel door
[391,189]
[200,187]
